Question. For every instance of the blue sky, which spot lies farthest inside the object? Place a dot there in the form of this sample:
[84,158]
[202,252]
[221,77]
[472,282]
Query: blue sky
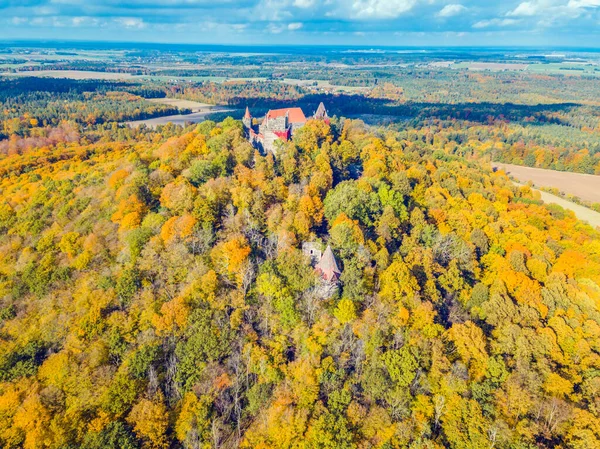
[339,22]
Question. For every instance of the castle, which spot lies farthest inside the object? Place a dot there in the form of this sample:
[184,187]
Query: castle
[278,124]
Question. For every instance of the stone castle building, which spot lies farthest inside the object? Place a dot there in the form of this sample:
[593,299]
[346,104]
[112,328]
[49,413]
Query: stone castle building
[278,124]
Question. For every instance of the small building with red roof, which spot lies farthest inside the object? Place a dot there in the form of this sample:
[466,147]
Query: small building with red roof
[328,267]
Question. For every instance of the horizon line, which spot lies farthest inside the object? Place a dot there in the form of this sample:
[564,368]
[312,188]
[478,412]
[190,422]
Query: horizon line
[308,45]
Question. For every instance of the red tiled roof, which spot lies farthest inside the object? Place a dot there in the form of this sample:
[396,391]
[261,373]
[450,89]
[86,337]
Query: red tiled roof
[295,115]
[283,135]
[328,267]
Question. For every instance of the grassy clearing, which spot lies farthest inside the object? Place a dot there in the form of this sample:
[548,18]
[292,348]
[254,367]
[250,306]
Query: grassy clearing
[181,104]
[492,66]
[564,68]
[322,84]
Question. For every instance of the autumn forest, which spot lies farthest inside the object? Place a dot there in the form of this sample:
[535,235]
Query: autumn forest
[154,293]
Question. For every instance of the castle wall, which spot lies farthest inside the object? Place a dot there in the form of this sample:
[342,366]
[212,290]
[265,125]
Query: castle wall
[274,124]
[296,126]
[269,141]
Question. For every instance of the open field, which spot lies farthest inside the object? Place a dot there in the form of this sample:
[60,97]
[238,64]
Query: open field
[555,68]
[178,119]
[586,187]
[494,66]
[182,104]
[31,58]
[90,74]
[565,68]
[96,75]
[15,66]
[321,84]
[73,74]
[442,64]
[581,212]
[214,79]
[310,83]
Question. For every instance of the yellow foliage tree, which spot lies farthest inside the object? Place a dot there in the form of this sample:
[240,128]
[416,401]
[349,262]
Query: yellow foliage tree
[345,311]
[178,228]
[471,346]
[228,257]
[129,213]
[150,420]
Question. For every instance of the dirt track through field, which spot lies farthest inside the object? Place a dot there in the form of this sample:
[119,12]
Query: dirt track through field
[525,174]
[586,187]
[582,213]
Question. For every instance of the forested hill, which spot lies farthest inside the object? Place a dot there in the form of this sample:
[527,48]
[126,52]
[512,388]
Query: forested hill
[153,295]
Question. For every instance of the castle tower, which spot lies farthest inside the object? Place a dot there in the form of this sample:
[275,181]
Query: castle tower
[247,120]
[328,267]
[321,113]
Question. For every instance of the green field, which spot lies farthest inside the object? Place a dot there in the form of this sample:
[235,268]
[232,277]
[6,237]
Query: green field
[565,68]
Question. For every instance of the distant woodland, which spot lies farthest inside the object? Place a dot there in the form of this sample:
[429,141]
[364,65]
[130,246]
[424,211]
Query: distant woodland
[31,104]
[560,136]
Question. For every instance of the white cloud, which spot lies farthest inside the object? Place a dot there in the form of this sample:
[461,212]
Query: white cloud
[273,10]
[553,10]
[381,9]
[337,17]
[45,11]
[551,13]
[132,23]
[84,21]
[584,4]
[274,29]
[280,28]
[526,9]
[495,22]
[304,3]
[451,10]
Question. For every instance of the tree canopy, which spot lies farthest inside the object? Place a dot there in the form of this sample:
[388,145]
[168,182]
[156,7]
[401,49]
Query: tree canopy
[153,294]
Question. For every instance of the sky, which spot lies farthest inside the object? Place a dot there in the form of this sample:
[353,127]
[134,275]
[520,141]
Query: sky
[558,23]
